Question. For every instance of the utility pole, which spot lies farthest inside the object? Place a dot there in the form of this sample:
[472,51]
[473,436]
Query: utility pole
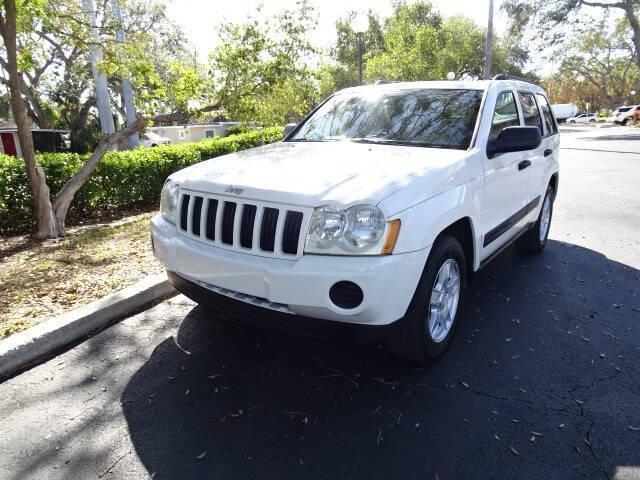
[127,91]
[488,44]
[102,90]
[360,54]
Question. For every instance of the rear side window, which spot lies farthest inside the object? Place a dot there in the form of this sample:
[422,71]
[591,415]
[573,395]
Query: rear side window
[505,115]
[547,115]
[530,110]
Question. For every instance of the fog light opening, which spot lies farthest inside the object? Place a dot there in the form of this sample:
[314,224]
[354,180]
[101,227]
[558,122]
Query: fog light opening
[346,295]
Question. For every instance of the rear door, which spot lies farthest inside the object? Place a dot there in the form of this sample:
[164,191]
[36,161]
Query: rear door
[532,168]
[550,141]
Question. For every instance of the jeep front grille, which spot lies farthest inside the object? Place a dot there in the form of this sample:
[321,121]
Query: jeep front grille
[249,226]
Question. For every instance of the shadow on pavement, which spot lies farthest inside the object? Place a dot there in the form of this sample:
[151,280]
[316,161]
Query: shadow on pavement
[628,136]
[537,384]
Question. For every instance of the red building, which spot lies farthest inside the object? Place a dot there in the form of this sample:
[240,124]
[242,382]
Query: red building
[44,140]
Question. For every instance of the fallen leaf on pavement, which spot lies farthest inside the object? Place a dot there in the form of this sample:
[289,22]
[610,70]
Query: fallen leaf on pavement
[202,455]
[514,451]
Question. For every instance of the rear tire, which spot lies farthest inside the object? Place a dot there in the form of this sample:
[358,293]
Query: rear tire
[432,317]
[536,238]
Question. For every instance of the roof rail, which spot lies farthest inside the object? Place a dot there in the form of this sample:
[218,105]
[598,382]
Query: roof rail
[382,81]
[503,76]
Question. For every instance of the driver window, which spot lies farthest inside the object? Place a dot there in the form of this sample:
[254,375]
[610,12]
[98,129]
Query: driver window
[505,114]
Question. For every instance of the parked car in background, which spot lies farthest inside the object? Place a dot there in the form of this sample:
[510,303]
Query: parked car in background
[371,214]
[562,111]
[150,139]
[622,115]
[583,118]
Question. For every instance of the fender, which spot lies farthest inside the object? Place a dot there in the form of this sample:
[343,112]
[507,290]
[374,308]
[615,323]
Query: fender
[422,223]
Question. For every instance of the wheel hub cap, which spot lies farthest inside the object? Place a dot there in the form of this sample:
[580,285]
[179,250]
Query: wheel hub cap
[443,303]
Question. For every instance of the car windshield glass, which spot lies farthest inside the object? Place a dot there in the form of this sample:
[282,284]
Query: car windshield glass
[625,109]
[439,118]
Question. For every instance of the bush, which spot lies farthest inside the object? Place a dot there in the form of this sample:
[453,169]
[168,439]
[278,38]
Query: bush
[238,128]
[122,180]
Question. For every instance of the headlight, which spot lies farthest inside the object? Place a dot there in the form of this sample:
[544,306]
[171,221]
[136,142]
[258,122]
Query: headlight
[359,230]
[169,201]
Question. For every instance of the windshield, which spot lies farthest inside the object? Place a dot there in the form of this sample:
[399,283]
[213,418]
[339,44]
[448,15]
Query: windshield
[439,118]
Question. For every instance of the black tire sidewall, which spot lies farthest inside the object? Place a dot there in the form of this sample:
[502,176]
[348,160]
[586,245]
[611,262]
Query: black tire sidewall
[418,345]
[548,193]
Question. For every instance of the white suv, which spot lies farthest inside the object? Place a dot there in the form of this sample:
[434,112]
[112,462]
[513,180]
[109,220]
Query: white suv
[371,213]
[584,118]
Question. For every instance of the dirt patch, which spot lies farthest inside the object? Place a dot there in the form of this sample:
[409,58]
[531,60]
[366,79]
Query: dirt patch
[39,280]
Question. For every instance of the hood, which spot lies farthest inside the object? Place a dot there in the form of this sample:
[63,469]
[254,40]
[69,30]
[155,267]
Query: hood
[317,173]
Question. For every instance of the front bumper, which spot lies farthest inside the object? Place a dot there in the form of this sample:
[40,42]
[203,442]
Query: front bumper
[300,286]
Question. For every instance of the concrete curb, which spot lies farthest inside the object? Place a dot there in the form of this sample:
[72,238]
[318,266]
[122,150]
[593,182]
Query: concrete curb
[29,347]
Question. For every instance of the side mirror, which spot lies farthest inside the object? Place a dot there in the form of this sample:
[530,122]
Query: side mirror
[515,139]
[288,128]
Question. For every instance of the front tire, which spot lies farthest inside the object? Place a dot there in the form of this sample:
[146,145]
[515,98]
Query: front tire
[432,317]
[535,239]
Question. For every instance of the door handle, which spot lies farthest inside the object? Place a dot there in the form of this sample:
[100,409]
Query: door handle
[548,152]
[524,164]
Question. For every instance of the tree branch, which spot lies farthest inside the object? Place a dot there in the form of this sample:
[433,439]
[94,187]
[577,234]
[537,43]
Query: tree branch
[67,192]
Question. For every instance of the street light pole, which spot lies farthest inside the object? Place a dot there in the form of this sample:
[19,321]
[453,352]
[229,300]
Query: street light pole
[360,25]
[488,44]
[360,54]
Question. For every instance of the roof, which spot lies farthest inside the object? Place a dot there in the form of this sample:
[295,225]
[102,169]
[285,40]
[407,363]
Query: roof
[447,84]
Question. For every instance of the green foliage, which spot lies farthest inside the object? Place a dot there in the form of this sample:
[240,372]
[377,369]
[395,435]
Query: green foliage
[238,129]
[121,180]
[417,43]
[596,68]
[259,70]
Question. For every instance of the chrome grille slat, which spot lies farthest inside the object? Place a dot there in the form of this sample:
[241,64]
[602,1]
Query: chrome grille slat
[249,226]
[278,235]
[190,214]
[237,218]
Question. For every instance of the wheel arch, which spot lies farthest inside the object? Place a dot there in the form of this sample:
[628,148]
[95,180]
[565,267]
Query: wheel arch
[463,231]
[553,183]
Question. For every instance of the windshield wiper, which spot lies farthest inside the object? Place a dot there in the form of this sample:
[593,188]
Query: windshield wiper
[383,141]
[304,139]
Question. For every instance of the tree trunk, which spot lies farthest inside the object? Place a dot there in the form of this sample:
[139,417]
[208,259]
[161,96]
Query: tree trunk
[45,221]
[635,26]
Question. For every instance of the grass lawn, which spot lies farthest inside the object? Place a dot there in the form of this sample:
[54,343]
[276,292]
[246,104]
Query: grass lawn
[39,280]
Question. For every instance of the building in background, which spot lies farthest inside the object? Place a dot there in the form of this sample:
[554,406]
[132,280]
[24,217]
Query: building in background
[44,140]
[192,133]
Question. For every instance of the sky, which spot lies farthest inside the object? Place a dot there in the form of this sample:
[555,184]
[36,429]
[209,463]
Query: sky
[199,18]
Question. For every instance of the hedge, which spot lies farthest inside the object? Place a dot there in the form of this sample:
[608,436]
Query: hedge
[122,180]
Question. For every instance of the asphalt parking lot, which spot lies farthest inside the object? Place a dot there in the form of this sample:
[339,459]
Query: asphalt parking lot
[541,381]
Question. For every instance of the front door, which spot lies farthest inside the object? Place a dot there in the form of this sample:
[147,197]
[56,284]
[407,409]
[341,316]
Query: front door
[8,144]
[505,186]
